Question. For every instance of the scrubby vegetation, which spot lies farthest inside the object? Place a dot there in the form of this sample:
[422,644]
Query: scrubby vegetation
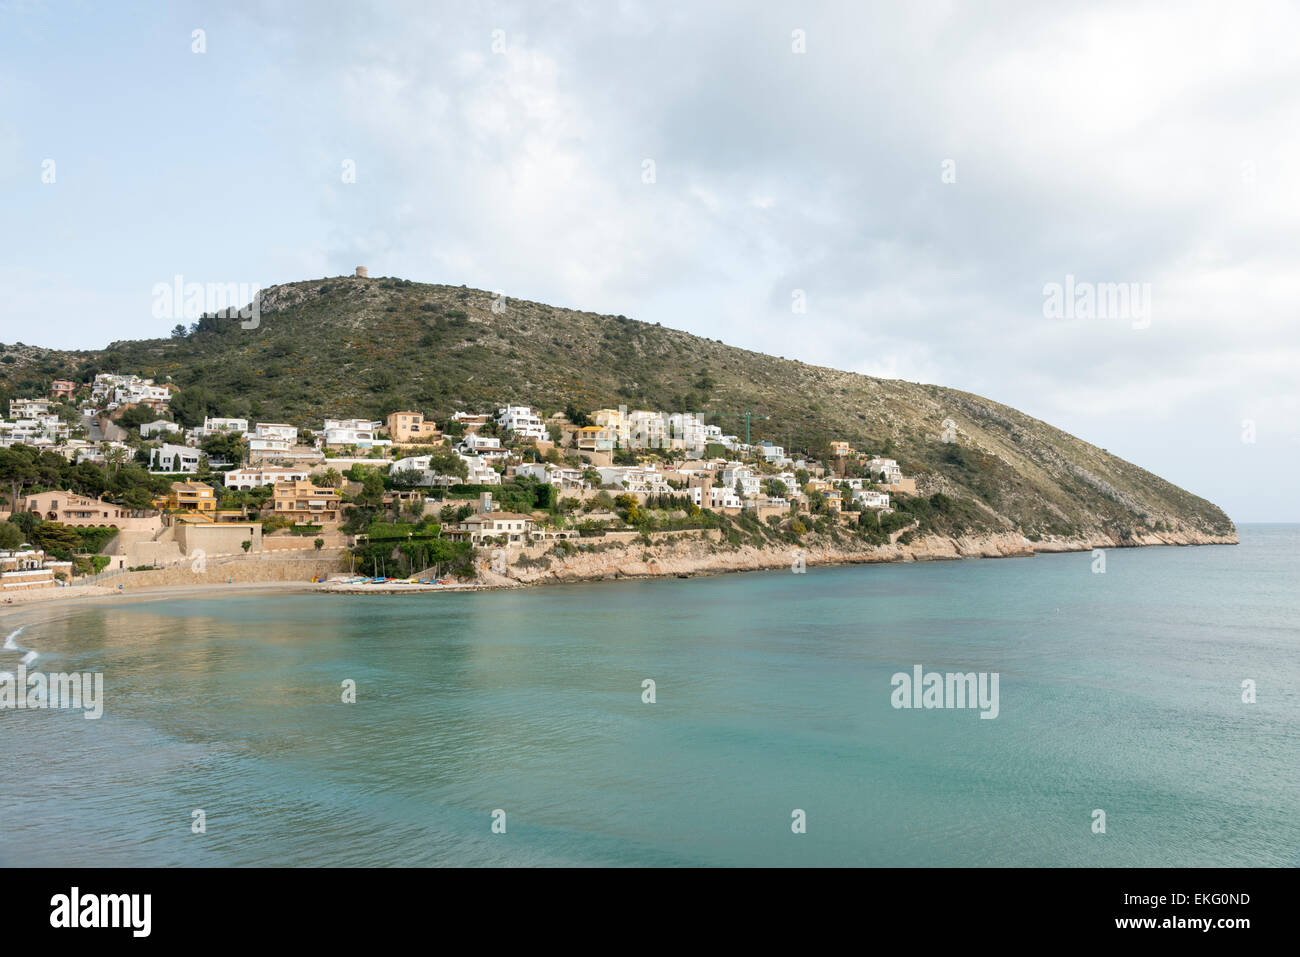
[366,347]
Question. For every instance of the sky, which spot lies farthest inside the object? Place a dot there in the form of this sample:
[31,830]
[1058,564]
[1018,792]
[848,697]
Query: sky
[939,192]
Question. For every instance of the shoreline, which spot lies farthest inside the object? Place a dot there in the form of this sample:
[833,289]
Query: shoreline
[59,598]
[681,558]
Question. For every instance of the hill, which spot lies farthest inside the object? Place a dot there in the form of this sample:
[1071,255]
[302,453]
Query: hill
[345,347]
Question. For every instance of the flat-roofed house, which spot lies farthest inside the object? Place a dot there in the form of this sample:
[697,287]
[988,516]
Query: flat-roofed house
[192,497]
[594,438]
[305,503]
[25,568]
[174,458]
[513,526]
[407,428]
[254,476]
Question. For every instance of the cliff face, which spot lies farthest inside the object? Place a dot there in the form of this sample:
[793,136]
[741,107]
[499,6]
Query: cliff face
[691,555]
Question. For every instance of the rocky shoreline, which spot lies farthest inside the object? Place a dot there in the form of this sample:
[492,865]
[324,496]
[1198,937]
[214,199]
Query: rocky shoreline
[687,557]
[677,557]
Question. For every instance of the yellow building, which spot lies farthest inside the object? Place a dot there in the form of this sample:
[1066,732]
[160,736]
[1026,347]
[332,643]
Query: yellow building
[594,438]
[408,427]
[840,449]
[305,503]
[191,497]
[616,421]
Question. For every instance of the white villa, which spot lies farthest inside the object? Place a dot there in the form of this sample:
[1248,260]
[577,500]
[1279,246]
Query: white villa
[481,471]
[159,427]
[174,458]
[26,567]
[686,431]
[485,526]
[362,433]
[634,478]
[522,421]
[868,498]
[886,469]
[271,439]
[28,408]
[255,477]
[750,483]
[560,477]
[719,497]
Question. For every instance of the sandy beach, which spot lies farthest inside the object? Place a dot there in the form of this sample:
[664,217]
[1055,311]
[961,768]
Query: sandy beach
[30,604]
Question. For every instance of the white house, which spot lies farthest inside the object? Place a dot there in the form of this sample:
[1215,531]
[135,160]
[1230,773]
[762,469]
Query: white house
[560,477]
[28,408]
[141,392]
[174,458]
[471,420]
[481,471]
[647,430]
[868,498]
[719,497]
[485,446]
[634,478]
[886,470]
[213,427]
[522,421]
[473,442]
[362,433]
[277,430]
[686,431]
[159,427]
[257,476]
[41,430]
[750,484]
[120,389]
[510,526]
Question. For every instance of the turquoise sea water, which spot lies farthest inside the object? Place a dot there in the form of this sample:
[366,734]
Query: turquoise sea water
[1118,691]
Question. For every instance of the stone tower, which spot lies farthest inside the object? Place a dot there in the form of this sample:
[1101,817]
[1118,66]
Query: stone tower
[361,273]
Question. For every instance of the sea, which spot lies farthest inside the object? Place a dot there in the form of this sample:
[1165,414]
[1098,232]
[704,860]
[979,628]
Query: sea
[1147,713]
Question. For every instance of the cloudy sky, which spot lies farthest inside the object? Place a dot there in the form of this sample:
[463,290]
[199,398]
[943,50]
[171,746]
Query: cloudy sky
[916,174]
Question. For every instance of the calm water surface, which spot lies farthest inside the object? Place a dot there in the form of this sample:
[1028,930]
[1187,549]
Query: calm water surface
[1119,691]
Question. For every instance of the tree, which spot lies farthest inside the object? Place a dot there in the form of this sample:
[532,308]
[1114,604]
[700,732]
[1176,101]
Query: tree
[87,478]
[319,543]
[11,536]
[229,446]
[178,331]
[190,406]
[330,477]
[57,539]
[116,457]
[18,470]
[372,490]
[245,545]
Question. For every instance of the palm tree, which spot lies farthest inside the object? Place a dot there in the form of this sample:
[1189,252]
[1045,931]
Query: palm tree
[116,457]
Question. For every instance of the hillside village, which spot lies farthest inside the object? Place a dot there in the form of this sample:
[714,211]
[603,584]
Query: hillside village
[102,478]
